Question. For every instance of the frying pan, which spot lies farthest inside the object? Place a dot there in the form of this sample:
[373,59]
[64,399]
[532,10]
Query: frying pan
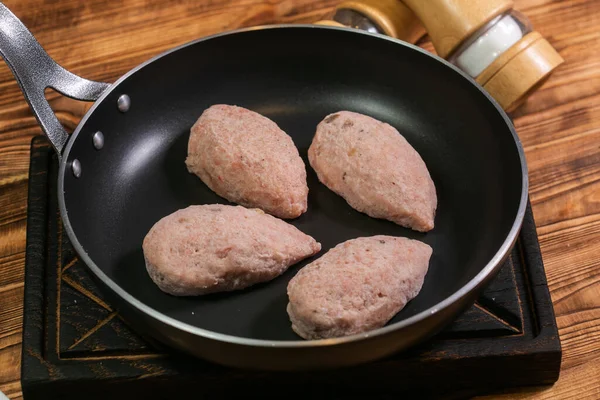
[114,185]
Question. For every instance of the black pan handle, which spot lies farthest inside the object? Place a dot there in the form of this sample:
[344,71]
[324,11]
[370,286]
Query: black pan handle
[35,71]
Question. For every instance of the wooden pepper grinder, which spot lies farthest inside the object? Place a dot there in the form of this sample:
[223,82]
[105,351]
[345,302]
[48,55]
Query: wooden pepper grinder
[491,42]
[387,17]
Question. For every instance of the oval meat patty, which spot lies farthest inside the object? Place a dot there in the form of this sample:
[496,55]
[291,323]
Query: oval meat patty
[215,248]
[372,166]
[247,159]
[357,286]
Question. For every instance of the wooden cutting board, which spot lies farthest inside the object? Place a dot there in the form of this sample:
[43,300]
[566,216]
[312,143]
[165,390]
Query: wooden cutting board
[75,342]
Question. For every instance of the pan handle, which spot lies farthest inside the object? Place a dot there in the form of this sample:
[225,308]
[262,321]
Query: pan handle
[35,71]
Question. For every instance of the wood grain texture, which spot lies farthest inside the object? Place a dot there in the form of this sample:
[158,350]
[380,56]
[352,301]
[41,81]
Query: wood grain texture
[559,127]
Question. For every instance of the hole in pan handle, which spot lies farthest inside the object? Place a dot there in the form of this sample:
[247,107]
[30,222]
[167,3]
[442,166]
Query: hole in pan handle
[35,71]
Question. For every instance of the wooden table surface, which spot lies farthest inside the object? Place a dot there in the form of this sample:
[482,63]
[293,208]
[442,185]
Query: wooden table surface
[559,127]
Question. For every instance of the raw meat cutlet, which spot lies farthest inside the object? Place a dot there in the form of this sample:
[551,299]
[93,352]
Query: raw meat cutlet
[215,248]
[357,286]
[247,159]
[372,166]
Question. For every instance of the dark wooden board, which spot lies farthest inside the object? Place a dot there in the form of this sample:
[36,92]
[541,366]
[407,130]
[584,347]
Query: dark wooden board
[76,345]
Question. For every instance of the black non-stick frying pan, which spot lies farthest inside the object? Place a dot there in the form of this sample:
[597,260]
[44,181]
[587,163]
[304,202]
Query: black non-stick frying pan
[123,169]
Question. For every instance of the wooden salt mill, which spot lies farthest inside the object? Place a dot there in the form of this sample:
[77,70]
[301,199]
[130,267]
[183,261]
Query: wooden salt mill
[487,39]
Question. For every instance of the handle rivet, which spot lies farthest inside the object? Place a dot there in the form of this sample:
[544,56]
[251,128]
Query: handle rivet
[76,168]
[123,103]
[98,140]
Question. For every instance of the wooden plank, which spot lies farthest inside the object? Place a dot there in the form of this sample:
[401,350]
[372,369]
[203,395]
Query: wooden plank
[14,164]
[571,180]
[12,250]
[11,312]
[12,389]
[10,359]
[574,279]
[12,271]
[577,383]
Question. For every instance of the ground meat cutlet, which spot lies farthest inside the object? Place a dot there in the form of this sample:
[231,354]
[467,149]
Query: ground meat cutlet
[215,248]
[372,166]
[357,286]
[247,159]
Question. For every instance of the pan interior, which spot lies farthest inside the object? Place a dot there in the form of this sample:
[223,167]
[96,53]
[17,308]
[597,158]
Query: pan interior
[295,76]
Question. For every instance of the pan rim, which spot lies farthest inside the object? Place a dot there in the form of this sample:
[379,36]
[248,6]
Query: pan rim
[473,284]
